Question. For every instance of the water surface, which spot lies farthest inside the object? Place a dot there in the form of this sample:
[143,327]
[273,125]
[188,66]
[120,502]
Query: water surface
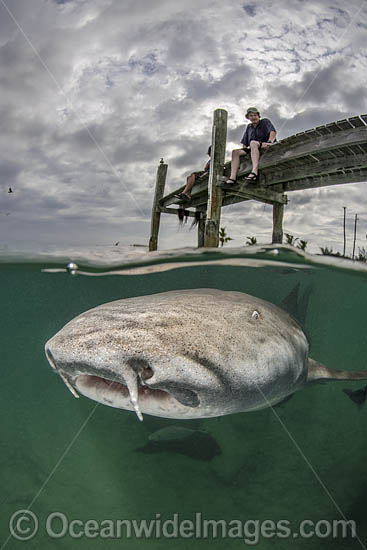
[303,460]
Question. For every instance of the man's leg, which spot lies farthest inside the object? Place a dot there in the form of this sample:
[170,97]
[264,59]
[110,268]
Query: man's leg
[235,163]
[255,155]
[190,182]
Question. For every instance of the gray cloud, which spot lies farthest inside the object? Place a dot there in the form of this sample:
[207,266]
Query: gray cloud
[231,84]
[142,83]
[315,89]
[9,169]
[250,9]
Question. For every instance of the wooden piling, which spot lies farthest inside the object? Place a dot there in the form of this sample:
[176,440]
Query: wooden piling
[219,137]
[278,211]
[201,230]
[156,213]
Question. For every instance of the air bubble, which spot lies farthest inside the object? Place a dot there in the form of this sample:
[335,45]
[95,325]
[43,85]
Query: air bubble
[72,268]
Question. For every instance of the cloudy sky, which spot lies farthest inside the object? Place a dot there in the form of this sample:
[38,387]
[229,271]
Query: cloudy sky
[94,92]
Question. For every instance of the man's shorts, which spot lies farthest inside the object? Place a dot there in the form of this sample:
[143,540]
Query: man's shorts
[261,149]
[248,147]
[198,174]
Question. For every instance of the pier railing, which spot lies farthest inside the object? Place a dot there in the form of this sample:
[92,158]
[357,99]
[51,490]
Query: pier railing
[332,154]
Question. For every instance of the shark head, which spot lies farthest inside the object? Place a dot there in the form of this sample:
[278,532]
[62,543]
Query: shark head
[181,354]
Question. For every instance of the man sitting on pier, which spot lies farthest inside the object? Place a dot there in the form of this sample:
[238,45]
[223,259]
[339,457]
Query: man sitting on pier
[192,179]
[259,135]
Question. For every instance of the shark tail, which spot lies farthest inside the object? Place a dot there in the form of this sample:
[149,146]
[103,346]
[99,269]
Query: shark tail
[319,373]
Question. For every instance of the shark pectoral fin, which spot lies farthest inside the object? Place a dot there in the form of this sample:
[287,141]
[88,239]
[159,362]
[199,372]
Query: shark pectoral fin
[357,396]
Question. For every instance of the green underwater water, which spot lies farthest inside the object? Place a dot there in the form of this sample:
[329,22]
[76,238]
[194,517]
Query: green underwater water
[306,460]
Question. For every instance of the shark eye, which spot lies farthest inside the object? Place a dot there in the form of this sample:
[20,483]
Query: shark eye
[255,315]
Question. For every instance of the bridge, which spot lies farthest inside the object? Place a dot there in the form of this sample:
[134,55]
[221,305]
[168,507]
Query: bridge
[331,154]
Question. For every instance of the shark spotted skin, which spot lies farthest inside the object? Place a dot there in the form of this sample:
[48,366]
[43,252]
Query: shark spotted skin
[187,354]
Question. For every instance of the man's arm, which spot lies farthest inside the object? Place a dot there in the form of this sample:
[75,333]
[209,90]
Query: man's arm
[244,139]
[205,171]
[271,129]
[272,136]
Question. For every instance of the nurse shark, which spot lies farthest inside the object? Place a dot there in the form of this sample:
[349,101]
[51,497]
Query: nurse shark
[187,354]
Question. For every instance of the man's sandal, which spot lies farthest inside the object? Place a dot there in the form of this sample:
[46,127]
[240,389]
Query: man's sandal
[251,177]
[230,181]
[182,197]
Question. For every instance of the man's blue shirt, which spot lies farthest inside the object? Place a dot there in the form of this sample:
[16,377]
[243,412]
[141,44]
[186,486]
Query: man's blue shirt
[260,133]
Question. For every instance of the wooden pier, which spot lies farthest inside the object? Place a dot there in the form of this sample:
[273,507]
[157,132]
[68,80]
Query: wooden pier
[331,154]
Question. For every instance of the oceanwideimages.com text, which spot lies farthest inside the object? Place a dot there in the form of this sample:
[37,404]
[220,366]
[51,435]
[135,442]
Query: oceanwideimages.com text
[24,525]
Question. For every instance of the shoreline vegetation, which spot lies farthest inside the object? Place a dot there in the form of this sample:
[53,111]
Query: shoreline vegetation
[301,244]
[325,251]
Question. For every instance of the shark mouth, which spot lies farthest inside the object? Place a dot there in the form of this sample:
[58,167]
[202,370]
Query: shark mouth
[133,394]
[111,392]
[134,390]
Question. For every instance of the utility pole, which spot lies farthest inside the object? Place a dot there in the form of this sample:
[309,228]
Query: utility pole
[345,239]
[355,234]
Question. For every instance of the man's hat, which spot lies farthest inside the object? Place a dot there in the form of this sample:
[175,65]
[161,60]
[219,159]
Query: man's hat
[252,110]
